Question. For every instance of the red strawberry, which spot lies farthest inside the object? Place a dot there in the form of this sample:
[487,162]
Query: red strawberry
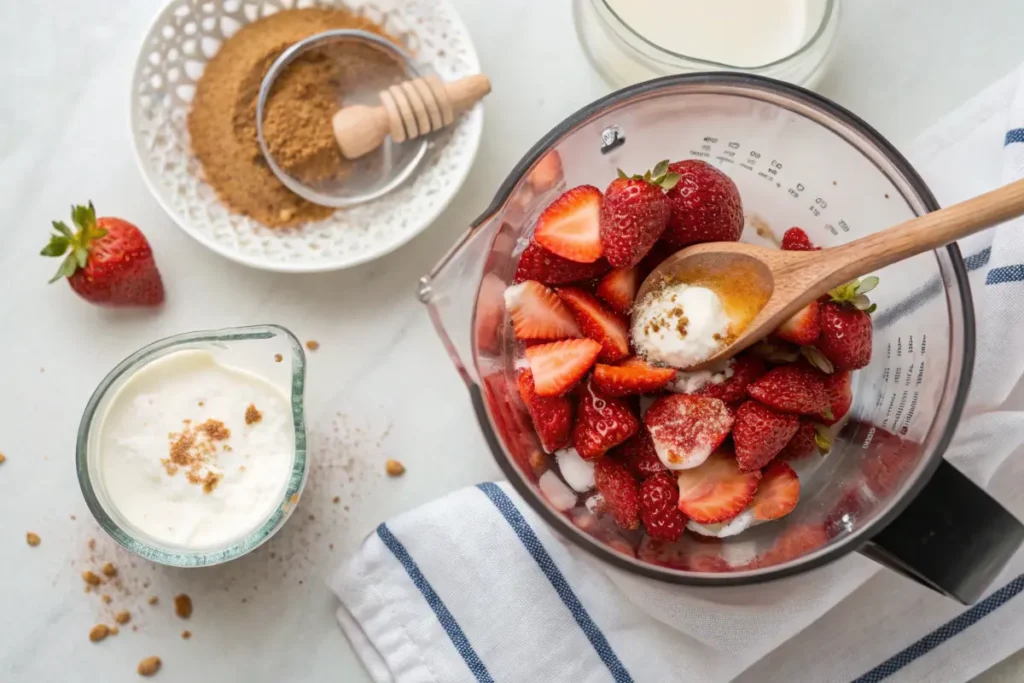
[795,541]
[632,376]
[552,415]
[659,508]
[598,323]
[559,365]
[639,456]
[840,395]
[745,369]
[687,429]
[760,433]
[569,226]
[717,490]
[691,553]
[802,444]
[538,313]
[803,327]
[792,389]
[108,262]
[513,426]
[846,325]
[603,422]
[795,239]
[706,205]
[777,493]
[537,263]
[547,172]
[634,213]
[618,289]
[620,492]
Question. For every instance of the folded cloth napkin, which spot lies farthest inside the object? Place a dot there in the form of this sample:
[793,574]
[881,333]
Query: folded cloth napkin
[475,587]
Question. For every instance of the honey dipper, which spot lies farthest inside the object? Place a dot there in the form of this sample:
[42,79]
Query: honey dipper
[407,111]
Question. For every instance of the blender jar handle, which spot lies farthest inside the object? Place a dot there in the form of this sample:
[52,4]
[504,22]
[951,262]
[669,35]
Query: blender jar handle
[957,549]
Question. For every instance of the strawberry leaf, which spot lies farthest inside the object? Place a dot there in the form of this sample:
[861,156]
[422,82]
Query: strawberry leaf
[67,268]
[867,284]
[81,256]
[871,309]
[861,302]
[670,180]
[818,360]
[823,437]
[622,174]
[57,246]
[62,228]
[84,217]
[660,169]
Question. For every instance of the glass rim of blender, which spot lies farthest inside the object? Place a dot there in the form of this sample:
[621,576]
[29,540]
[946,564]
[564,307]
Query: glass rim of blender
[914,484]
[181,557]
[831,8]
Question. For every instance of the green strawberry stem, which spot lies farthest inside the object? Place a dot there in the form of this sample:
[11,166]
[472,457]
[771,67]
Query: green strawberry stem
[75,244]
[855,292]
[659,177]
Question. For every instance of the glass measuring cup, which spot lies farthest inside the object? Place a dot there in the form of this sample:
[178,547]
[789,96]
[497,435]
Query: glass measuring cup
[798,160]
[255,348]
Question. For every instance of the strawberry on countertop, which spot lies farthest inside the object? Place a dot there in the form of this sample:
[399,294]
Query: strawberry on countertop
[602,423]
[846,324]
[597,322]
[634,213]
[537,263]
[568,227]
[792,389]
[618,289]
[108,260]
[631,376]
[759,433]
[706,205]
[551,415]
[538,313]
[717,490]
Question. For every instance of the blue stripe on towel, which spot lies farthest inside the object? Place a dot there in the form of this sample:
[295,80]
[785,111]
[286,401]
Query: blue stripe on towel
[943,633]
[1003,274]
[448,622]
[1015,135]
[526,534]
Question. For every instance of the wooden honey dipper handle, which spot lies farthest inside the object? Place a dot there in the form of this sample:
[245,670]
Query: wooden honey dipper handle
[408,110]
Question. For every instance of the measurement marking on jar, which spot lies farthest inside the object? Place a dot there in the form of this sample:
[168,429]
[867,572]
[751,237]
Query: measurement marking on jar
[795,191]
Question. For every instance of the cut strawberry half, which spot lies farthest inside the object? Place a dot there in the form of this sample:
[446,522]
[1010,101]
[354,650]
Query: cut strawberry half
[687,429]
[717,490]
[618,289]
[803,327]
[551,415]
[559,365]
[537,263]
[759,433]
[570,225]
[631,376]
[602,423]
[792,389]
[538,313]
[840,395]
[777,493]
[620,491]
[598,323]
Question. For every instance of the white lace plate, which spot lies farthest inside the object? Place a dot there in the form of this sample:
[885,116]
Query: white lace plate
[186,33]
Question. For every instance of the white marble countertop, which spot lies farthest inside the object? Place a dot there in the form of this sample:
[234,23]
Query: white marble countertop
[380,381]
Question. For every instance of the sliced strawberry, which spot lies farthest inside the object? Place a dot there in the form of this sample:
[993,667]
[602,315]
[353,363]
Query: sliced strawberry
[803,443]
[759,433]
[631,376]
[551,415]
[547,172]
[846,328]
[706,205]
[634,213]
[559,365]
[840,395]
[687,429]
[691,553]
[803,327]
[792,389]
[570,225]
[537,263]
[659,507]
[598,323]
[618,289]
[538,313]
[777,493]
[746,369]
[795,239]
[620,491]
[717,490]
[602,423]
[639,456]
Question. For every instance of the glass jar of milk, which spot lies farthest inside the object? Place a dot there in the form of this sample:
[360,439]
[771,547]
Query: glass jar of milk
[629,41]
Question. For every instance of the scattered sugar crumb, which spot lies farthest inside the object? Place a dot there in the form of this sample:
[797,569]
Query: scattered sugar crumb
[394,468]
[278,358]
[183,606]
[123,617]
[92,544]
[336,500]
[98,632]
[114,630]
[109,569]
[149,666]
[32,539]
[153,599]
[91,578]
[312,345]
[252,414]
[106,599]
[185,635]
[2,457]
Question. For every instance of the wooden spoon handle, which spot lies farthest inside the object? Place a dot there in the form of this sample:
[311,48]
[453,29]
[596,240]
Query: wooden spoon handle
[925,233]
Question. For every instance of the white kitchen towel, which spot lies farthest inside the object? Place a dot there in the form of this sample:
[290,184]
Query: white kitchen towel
[475,587]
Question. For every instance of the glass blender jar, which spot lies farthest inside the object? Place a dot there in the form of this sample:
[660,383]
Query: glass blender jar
[797,159]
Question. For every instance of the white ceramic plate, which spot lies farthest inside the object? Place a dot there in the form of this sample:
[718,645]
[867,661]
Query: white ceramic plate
[186,33]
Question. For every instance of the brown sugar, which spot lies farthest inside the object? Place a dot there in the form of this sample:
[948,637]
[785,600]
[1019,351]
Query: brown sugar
[109,569]
[312,345]
[394,468]
[252,415]
[192,449]
[149,666]
[2,458]
[122,617]
[185,635]
[278,358]
[297,117]
[183,606]
[153,599]
[91,578]
[98,632]
[106,599]
[33,539]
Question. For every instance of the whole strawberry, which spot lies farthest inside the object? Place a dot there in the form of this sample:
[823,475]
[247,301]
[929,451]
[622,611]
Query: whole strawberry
[706,205]
[795,239]
[659,507]
[620,492]
[634,213]
[108,262]
[846,325]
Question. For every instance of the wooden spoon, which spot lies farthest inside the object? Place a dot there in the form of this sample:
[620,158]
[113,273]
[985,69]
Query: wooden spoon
[789,280]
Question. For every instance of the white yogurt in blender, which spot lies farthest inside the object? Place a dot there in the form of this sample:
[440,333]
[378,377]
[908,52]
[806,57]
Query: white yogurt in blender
[193,453]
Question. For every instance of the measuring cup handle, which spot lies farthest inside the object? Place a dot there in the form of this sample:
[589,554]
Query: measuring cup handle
[953,537]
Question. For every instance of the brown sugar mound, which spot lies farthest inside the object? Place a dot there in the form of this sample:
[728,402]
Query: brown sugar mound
[297,124]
